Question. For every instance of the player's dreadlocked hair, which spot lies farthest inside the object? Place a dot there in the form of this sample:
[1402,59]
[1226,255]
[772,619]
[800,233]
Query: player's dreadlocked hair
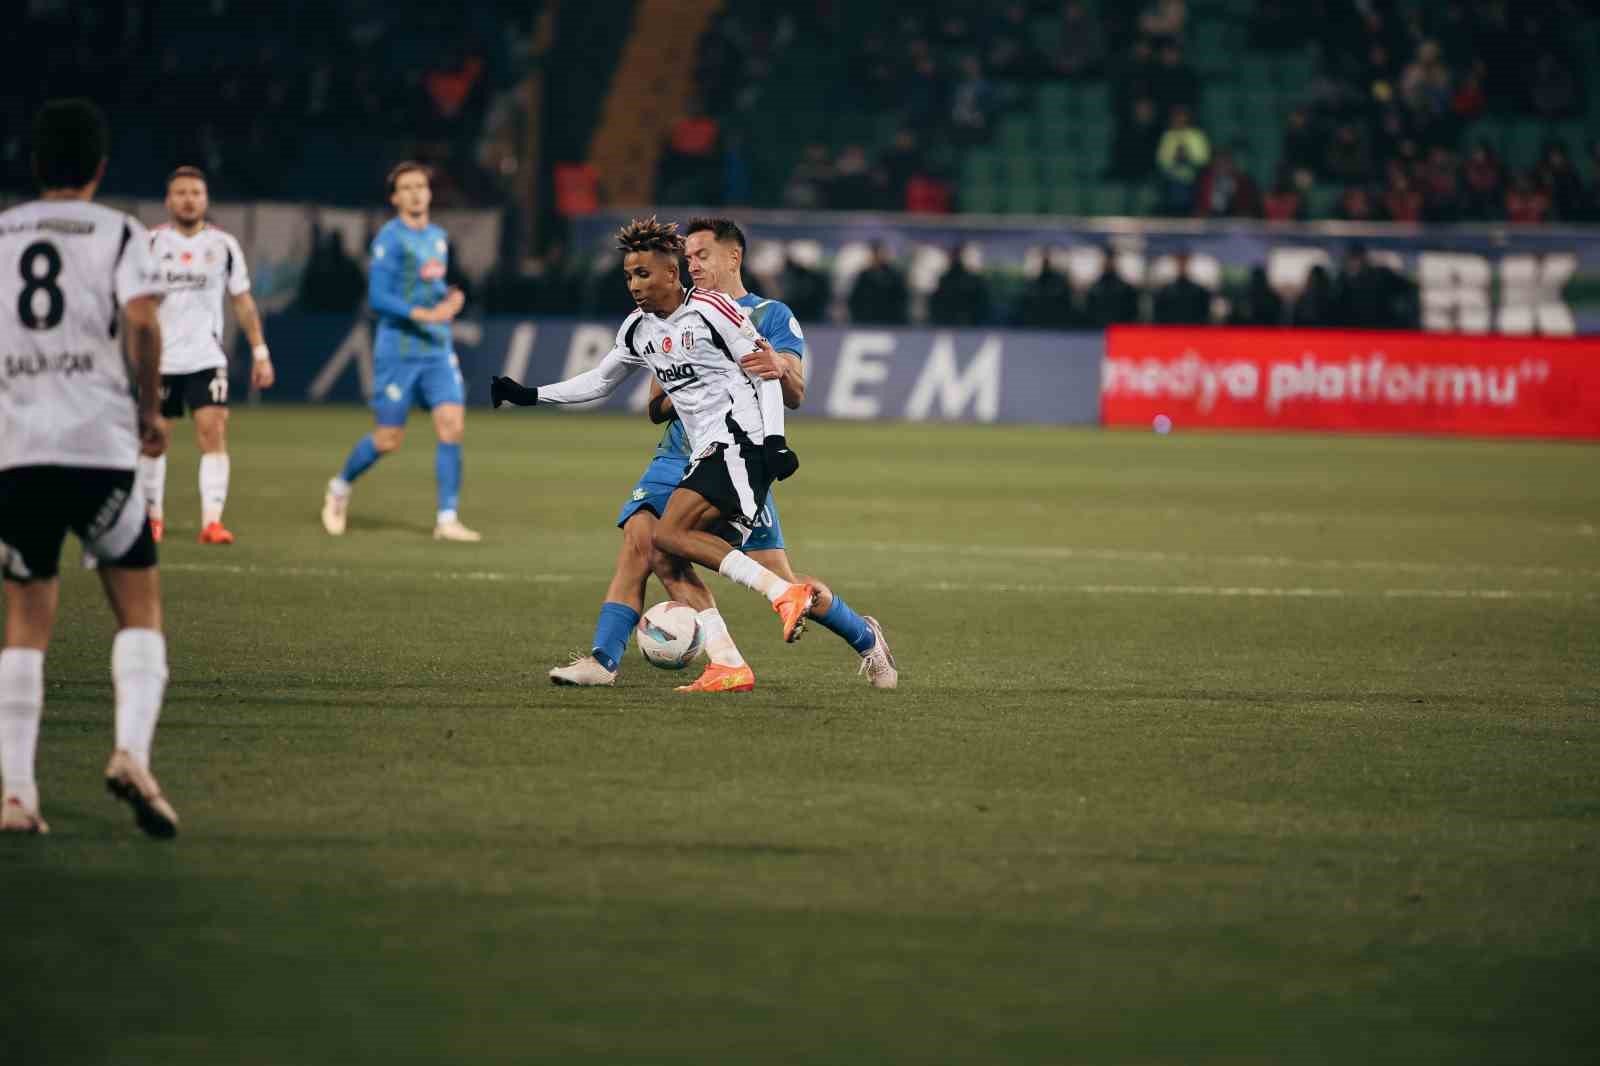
[648,235]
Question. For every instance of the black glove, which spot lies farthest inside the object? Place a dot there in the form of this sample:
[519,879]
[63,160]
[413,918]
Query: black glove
[504,390]
[781,462]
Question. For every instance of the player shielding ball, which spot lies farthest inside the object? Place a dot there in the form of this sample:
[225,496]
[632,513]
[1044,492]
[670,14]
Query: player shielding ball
[414,359]
[198,263]
[74,277]
[692,340]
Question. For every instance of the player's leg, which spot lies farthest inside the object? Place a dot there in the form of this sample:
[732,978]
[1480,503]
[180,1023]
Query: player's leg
[393,382]
[727,670]
[30,617]
[450,427]
[685,532]
[153,469]
[619,612]
[211,436]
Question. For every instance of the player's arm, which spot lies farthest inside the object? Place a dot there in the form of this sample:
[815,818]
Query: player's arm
[660,405]
[386,289]
[142,321]
[262,374]
[784,367]
[594,384]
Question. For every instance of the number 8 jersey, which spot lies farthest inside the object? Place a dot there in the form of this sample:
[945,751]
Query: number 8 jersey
[66,269]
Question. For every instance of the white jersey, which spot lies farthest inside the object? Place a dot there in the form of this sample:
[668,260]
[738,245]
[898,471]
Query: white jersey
[694,353]
[194,271]
[66,269]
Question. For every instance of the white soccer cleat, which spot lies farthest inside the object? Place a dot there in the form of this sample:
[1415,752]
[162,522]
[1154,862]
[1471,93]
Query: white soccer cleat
[584,670]
[878,663]
[137,787]
[334,509]
[16,818]
[454,530]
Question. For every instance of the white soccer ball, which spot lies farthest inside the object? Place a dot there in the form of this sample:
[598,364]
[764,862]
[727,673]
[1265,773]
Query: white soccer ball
[669,635]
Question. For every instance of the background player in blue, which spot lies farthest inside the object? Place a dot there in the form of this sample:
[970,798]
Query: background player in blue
[413,358]
[715,249]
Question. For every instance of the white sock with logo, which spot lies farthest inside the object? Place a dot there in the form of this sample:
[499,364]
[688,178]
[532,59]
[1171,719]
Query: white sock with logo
[21,707]
[214,470]
[139,673]
[743,570]
[720,647]
[153,479]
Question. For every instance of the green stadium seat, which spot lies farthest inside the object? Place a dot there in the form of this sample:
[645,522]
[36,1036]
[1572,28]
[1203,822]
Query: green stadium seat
[1107,198]
[1143,198]
[1323,200]
[984,199]
[1024,199]
[979,165]
[1064,199]
[1055,98]
[1019,167]
[1016,133]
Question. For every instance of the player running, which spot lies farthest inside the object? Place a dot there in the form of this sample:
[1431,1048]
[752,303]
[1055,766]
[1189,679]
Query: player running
[413,359]
[693,339]
[73,277]
[197,262]
[715,249]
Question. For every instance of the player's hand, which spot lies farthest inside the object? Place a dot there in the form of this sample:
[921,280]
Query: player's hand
[448,308]
[262,376]
[781,461]
[765,363]
[505,390]
[152,435]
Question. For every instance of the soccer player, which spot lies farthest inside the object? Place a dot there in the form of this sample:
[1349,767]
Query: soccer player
[715,249]
[75,276]
[198,262]
[413,359]
[693,339]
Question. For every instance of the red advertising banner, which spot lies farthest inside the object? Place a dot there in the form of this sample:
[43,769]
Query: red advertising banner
[1183,377]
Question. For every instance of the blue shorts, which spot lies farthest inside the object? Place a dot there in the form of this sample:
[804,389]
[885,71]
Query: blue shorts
[399,383]
[660,480]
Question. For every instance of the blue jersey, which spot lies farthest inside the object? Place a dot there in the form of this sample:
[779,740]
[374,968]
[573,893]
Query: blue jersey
[408,268]
[774,321]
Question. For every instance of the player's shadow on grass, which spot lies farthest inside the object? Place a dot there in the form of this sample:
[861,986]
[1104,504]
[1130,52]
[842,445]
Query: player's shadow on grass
[369,524]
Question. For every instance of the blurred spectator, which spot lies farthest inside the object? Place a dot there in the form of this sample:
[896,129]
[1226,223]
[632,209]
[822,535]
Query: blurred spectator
[1260,305]
[1440,182]
[1526,202]
[1302,144]
[971,104]
[879,295]
[1182,153]
[962,297]
[1402,202]
[1355,205]
[901,162]
[690,170]
[805,290]
[807,187]
[1013,55]
[333,281]
[1314,307]
[1133,152]
[1048,301]
[854,186]
[1560,179]
[1471,98]
[1348,157]
[1134,79]
[1591,212]
[1425,85]
[1483,197]
[1553,91]
[1371,296]
[451,86]
[1225,191]
[1176,83]
[1111,299]
[1182,301]
[1285,202]
[1163,18]
[1082,52]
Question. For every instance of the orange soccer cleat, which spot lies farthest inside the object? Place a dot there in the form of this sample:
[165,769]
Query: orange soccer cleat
[792,607]
[215,533]
[723,679]
[157,529]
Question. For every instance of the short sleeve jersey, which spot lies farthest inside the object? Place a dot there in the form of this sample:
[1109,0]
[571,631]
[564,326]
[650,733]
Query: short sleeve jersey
[67,267]
[195,272]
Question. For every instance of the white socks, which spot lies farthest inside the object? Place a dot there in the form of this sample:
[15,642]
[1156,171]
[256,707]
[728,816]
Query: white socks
[21,706]
[153,478]
[339,487]
[214,469]
[720,647]
[743,570]
[139,672]
[444,518]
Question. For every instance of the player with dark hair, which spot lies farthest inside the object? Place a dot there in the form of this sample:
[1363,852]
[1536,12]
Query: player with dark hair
[198,262]
[693,339]
[413,360]
[71,430]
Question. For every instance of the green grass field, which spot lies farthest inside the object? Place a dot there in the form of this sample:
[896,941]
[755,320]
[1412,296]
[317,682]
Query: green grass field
[1208,749]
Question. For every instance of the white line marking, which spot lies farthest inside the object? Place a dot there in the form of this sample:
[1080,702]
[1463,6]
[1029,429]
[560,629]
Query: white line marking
[1217,591]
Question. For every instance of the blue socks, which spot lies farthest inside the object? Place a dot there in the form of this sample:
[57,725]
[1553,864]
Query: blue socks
[852,629]
[362,456]
[447,472]
[611,632]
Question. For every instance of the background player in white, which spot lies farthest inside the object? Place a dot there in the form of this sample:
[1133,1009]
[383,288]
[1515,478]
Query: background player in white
[198,262]
[693,339]
[74,276]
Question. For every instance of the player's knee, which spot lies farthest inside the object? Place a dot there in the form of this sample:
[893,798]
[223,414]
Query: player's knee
[387,438]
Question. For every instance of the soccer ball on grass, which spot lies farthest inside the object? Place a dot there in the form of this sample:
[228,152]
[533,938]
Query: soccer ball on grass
[669,635]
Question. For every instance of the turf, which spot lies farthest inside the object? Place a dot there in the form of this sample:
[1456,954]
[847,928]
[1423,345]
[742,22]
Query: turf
[1208,749]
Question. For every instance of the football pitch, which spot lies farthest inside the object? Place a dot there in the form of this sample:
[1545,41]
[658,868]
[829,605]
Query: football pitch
[1207,749]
